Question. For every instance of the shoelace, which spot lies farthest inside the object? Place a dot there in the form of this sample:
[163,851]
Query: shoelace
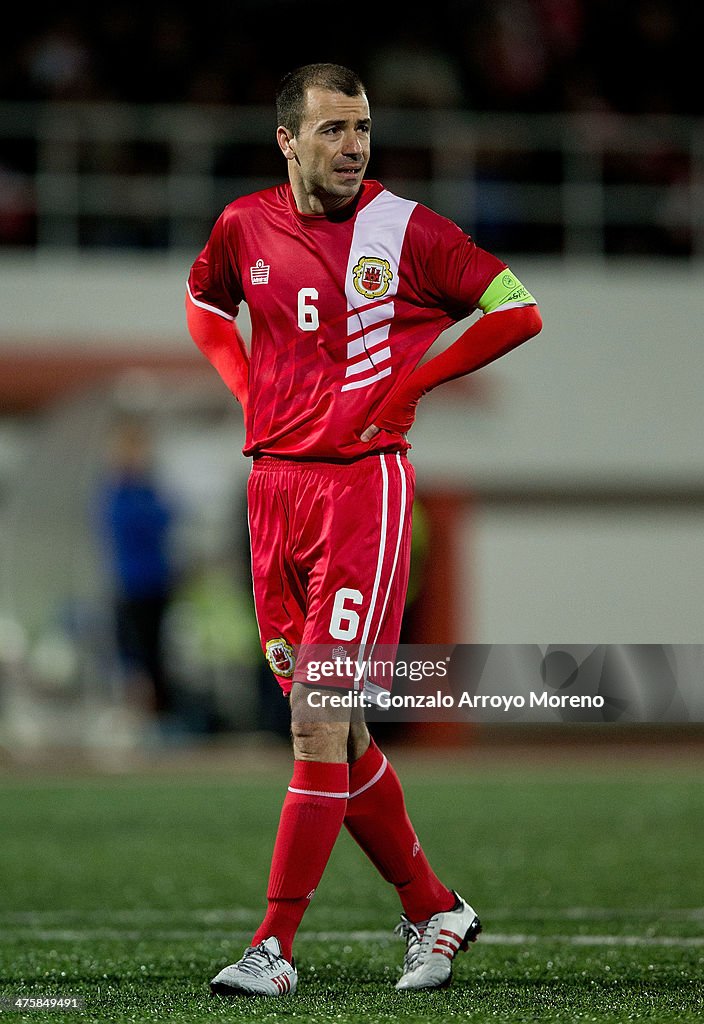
[414,935]
[256,957]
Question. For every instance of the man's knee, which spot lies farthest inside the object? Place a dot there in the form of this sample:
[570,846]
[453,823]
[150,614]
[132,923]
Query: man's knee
[320,741]
[319,733]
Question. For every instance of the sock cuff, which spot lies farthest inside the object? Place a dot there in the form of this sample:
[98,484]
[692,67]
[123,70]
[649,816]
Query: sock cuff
[367,771]
[320,778]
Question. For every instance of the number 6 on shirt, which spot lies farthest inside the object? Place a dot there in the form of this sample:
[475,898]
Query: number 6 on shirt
[307,312]
[344,622]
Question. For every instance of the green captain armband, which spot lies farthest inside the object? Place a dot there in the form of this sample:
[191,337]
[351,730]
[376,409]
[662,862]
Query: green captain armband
[505,290]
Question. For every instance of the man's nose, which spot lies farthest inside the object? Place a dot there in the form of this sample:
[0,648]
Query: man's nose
[352,144]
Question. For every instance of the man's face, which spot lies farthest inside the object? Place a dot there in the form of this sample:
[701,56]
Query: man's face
[331,151]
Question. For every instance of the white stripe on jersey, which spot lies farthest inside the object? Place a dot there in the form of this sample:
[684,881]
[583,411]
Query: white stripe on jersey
[376,336]
[366,364]
[206,305]
[511,305]
[379,230]
[366,380]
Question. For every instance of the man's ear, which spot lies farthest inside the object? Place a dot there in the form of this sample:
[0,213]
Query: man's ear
[286,141]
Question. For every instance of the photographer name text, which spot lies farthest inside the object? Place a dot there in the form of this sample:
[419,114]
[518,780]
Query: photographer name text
[418,701]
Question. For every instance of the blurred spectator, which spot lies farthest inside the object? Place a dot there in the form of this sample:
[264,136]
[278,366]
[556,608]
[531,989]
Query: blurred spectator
[638,55]
[510,56]
[587,57]
[136,520]
[60,62]
[17,207]
[409,71]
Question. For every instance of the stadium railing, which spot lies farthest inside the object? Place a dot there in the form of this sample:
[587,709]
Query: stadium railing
[105,176]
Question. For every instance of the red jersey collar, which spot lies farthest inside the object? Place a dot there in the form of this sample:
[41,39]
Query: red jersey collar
[369,190]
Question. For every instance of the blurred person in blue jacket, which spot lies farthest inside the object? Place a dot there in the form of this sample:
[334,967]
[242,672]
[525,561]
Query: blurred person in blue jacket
[136,521]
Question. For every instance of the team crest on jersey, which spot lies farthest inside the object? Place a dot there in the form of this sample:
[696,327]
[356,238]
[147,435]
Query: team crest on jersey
[280,656]
[372,276]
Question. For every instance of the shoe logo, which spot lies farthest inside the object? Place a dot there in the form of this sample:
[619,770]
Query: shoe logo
[259,273]
[283,983]
[447,943]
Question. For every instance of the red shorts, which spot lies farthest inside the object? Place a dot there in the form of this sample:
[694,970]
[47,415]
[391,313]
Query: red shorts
[331,546]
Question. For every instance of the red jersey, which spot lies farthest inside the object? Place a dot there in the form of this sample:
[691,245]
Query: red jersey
[343,307]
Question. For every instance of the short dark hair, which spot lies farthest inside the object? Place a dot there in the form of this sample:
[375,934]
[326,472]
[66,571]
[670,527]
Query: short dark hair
[291,93]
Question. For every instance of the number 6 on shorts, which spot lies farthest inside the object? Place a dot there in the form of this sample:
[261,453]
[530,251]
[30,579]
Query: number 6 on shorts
[344,622]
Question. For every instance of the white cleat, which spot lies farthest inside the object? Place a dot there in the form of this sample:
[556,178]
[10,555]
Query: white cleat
[432,945]
[262,971]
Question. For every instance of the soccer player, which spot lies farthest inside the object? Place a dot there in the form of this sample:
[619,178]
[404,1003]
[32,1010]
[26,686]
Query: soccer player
[347,286]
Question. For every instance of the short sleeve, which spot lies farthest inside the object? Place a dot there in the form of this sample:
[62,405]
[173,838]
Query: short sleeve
[459,271]
[213,281]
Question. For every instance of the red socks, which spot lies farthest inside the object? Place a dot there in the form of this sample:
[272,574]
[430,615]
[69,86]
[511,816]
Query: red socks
[311,819]
[367,795]
[377,818]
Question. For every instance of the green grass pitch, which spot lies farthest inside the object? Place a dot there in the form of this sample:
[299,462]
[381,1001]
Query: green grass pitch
[130,892]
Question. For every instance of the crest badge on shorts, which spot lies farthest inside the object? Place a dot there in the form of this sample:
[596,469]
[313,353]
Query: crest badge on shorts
[372,276]
[280,656]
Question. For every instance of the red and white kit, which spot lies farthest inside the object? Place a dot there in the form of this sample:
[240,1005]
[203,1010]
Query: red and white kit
[330,558]
[343,307]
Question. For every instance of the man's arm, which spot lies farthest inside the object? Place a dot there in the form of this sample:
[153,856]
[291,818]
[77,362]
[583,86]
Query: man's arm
[499,331]
[219,339]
